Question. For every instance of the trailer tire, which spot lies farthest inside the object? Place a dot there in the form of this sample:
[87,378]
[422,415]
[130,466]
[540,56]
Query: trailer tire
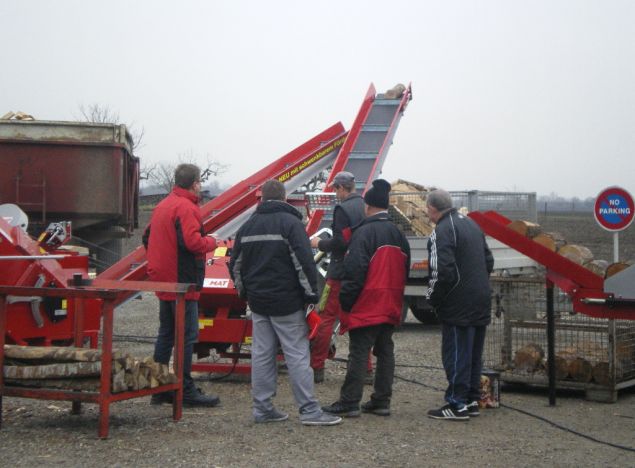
[425,315]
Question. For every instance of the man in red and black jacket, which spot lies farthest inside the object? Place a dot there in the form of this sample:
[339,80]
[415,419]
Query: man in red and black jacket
[375,272]
[175,249]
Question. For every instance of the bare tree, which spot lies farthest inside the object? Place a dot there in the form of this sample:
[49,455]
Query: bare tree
[162,174]
[98,113]
[146,171]
[316,184]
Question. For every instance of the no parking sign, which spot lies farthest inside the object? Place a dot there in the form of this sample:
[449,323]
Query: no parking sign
[614,209]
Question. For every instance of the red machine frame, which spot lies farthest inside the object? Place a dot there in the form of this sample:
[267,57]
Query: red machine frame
[223,322]
[106,294]
[585,287]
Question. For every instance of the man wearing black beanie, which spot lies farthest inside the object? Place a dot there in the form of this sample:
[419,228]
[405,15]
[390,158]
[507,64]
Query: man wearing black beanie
[375,270]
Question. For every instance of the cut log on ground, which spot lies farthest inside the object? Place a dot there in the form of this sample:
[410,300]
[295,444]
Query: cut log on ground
[576,253]
[525,228]
[529,358]
[551,240]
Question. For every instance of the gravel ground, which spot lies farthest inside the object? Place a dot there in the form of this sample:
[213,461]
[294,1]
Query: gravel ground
[45,433]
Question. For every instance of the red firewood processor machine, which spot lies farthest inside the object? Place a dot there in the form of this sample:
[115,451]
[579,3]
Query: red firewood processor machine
[224,324]
[592,295]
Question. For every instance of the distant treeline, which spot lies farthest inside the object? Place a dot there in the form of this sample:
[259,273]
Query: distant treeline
[555,203]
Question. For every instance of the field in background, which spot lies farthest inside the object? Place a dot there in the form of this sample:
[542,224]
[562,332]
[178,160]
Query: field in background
[582,229]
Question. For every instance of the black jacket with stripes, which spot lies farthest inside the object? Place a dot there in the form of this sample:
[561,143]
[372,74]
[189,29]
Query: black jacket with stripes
[460,263]
[272,262]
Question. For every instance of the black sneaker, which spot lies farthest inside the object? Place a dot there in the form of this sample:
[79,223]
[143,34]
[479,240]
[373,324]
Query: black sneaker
[318,375]
[161,398]
[196,397]
[376,408]
[448,412]
[347,410]
[472,409]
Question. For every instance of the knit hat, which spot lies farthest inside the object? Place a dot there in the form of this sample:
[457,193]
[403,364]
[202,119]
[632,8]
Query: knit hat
[377,195]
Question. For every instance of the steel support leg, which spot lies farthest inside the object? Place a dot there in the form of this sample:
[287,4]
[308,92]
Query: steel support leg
[551,344]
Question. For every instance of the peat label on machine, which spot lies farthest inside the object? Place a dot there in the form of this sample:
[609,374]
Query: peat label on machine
[614,209]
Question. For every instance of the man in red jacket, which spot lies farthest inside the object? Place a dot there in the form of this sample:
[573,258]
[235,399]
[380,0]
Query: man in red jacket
[375,271]
[175,249]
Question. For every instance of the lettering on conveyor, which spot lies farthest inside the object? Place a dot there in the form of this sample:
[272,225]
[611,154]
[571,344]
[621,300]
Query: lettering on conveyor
[312,160]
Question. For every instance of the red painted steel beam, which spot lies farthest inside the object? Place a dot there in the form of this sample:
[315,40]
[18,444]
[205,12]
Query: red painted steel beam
[235,200]
[495,225]
[578,282]
[342,157]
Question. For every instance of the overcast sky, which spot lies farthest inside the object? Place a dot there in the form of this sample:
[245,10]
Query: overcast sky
[508,95]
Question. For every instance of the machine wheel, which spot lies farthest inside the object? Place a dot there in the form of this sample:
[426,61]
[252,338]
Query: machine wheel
[425,315]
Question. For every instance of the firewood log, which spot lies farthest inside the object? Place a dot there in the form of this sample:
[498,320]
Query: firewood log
[395,92]
[525,228]
[597,266]
[576,253]
[615,268]
[89,384]
[55,353]
[562,367]
[529,357]
[580,369]
[551,240]
[53,371]
[601,373]
[119,382]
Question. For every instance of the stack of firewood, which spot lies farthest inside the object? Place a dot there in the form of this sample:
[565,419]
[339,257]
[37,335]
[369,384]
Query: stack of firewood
[79,369]
[579,254]
[585,362]
[408,208]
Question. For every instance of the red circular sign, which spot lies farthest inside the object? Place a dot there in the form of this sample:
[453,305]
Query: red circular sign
[614,209]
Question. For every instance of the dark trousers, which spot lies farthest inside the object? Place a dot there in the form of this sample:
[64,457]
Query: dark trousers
[361,340]
[332,309]
[462,354]
[165,339]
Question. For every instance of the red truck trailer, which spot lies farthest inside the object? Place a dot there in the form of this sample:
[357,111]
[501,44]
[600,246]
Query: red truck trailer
[72,171]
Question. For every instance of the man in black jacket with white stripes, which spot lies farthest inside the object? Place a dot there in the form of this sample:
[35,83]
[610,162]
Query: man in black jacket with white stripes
[460,263]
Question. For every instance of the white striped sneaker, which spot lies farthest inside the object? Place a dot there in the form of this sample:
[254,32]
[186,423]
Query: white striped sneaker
[472,409]
[448,412]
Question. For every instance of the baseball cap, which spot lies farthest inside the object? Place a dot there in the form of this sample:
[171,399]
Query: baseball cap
[342,177]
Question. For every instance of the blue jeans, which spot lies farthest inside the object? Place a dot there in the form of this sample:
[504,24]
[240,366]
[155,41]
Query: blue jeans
[462,355]
[165,339]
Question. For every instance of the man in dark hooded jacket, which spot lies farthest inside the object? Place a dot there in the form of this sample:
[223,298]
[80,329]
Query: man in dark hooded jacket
[273,269]
[460,263]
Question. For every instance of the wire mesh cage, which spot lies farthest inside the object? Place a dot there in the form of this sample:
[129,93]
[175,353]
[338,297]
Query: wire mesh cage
[514,205]
[325,201]
[591,354]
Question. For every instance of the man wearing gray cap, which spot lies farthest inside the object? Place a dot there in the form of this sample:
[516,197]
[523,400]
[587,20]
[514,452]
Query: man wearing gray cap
[347,214]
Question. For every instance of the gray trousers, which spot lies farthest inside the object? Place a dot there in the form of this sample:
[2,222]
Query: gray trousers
[291,332]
